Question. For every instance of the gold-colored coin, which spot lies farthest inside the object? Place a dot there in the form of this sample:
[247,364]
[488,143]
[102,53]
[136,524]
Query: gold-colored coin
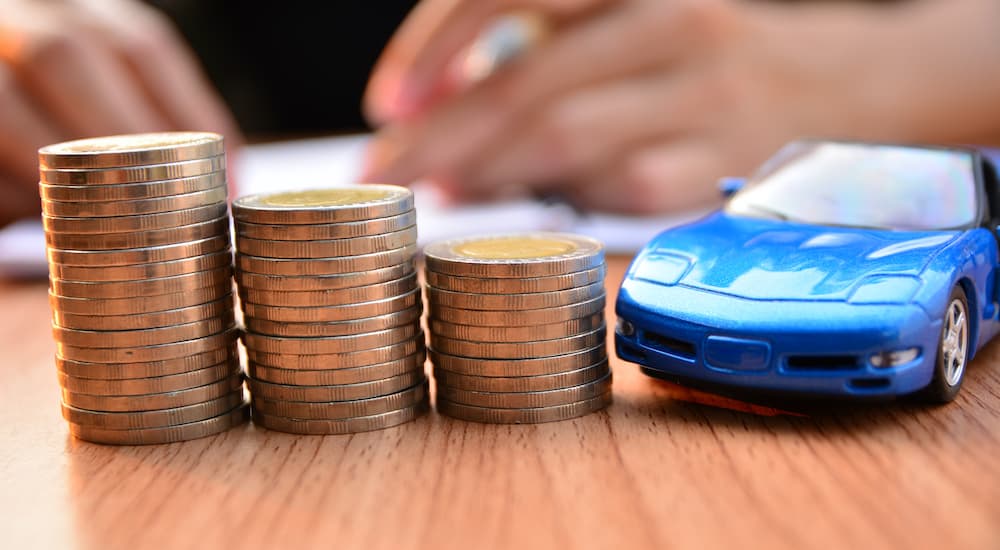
[329,231]
[523,416]
[167,434]
[526,400]
[531,333]
[149,353]
[148,287]
[154,401]
[145,386]
[325,266]
[535,366]
[336,427]
[324,206]
[184,234]
[509,285]
[507,302]
[326,249]
[518,350]
[339,328]
[132,150]
[139,321]
[128,224]
[331,344]
[140,256]
[518,318]
[498,384]
[338,360]
[127,339]
[153,419]
[149,369]
[137,272]
[325,314]
[141,304]
[107,209]
[517,255]
[132,191]
[135,174]
[340,392]
[256,281]
[334,377]
[336,297]
[342,410]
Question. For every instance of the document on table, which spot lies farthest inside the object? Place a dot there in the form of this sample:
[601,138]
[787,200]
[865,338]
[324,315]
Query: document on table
[324,162]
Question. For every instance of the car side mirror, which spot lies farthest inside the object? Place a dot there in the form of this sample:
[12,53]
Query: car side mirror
[728,186]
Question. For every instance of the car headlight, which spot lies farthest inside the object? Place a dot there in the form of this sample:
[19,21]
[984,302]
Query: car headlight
[625,328]
[888,359]
[662,267]
[884,289]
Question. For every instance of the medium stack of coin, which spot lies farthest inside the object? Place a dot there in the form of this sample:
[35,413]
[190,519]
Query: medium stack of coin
[517,327]
[332,308]
[140,265]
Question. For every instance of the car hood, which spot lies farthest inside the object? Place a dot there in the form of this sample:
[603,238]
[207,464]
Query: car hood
[775,260]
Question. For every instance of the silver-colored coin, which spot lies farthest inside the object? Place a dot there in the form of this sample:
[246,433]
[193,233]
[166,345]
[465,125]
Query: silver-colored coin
[331,344]
[167,434]
[340,392]
[324,206]
[497,384]
[154,401]
[338,360]
[108,339]
[326,249]
[330,231]
[132,191]
[137,272]
[334,377]
[153,419]
[518,350]
[336,297]
[340,328]
[342,410]
[521,255]
[336,427]
[126,224]
[140,239]
[348,312]
[512,285]
[325,266]
[161,352]
[519,318]
[145,386]
[149,369]
[140,256]
[148,287]
[516,334]
[535,366]
[526,400]
[507,302]
[140,321]
[523,416]
[135,174]
[256,281]
[72,210]
[132,150]
[141,304]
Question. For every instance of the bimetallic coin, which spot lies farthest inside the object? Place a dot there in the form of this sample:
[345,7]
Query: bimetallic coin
[342,410]
[153,419]
[148,287]
[340,392]
[149,369]
[523,416]
[331,344]
[139,321]
[140,256]
[336,427]
[511,285]
[62,210]
[526,400]
[323,232]
[132,150]
[325,266]
[149,353]
[340,328]
[518,350]
[143,239]
[497,384]
[145,386]
[141,304]
[326,249]
[518,318]
[323,206]
[132,191]
[338,360]
[126,224]
[257,281]
[154,401]
[516,255]
[534,366]
[336,297]
[347,312]
[137,272]
[108,339]
[333,377]
[167,434]
[506,302]
[136,174]
[517,334]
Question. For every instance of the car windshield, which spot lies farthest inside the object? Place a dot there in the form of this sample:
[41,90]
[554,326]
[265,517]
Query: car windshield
[863,185]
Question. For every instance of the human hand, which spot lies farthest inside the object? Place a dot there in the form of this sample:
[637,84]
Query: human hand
[78,68]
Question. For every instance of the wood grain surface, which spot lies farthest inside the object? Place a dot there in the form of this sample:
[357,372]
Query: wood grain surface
[659,469]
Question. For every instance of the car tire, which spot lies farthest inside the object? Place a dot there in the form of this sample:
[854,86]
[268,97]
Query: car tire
[953,350]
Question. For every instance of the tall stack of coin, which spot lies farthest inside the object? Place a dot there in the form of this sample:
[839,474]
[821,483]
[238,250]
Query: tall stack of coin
[140,260]
[517,327]
[332,308]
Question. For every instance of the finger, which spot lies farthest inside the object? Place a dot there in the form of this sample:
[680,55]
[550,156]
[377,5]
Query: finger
[20,200]
[416,59]
[624,41]
[22,131]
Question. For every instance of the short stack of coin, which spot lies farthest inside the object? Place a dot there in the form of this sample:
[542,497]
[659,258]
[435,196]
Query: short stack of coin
[332,308]
[517,327]
[140,265]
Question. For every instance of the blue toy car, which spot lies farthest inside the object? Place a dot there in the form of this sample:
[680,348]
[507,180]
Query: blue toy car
[841,268]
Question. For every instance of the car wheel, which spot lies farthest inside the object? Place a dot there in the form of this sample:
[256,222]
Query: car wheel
[953,350]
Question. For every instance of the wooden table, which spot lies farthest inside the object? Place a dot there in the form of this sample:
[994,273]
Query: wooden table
[653,471]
